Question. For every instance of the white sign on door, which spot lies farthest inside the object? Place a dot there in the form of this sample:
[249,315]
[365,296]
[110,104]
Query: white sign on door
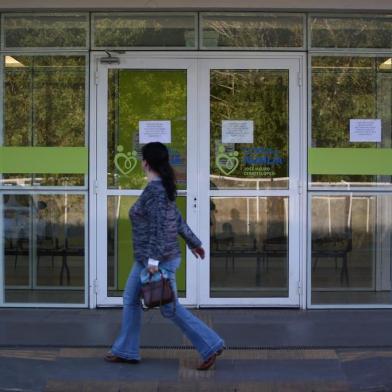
[365,130]
[154,131]
[237,131]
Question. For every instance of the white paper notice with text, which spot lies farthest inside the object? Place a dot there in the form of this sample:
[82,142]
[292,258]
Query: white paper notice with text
[154,131]
[237,131]
[364,130]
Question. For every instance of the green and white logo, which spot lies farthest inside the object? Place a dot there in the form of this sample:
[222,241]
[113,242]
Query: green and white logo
[125,162]
[226,163]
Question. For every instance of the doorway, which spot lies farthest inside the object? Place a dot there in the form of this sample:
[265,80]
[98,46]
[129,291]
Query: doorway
[232,126]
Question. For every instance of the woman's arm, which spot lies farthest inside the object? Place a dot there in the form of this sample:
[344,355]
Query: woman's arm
[186,233]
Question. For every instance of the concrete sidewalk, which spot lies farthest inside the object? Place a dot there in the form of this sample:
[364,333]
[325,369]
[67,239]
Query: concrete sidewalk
[240,328]
[268,350]
[171,370]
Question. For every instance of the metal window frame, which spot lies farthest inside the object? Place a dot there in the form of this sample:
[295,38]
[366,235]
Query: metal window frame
[259,49]
[86,55]
[351,188]
[4,15]
[4,304]
[94,47]
[309,256]
[335,190]
[129,60]
[295,185]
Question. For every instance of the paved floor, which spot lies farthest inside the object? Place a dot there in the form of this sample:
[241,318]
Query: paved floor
[82,369]
[268,350]
[240,328]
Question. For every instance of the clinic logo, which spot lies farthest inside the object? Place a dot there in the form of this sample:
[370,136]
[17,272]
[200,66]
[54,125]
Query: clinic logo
[125,162]
[226,163]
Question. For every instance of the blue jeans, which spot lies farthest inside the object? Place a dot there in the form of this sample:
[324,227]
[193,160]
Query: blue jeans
[127,343]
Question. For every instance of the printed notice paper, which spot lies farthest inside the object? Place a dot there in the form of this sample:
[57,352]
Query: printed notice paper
[237,131]
[154,131]
[365,130]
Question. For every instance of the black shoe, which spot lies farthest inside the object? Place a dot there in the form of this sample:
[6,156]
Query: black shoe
[109,357]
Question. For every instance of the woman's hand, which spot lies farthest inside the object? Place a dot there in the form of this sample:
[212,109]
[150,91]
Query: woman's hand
[152,269]
[198,252]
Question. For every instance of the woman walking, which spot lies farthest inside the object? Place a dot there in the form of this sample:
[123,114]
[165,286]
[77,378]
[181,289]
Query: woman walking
[156,223]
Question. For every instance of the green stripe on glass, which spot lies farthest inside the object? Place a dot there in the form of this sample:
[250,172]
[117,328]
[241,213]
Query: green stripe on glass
[376,161]
[53,160]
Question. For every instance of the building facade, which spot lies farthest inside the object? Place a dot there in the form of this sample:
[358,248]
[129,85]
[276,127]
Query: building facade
[278,122]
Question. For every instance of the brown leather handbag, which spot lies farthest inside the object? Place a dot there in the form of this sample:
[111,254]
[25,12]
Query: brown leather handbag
[157,292]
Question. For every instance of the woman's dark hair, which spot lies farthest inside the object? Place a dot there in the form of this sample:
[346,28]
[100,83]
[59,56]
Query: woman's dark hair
[157,157]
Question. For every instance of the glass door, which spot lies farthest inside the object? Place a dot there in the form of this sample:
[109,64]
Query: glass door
[250,128]
[141,100]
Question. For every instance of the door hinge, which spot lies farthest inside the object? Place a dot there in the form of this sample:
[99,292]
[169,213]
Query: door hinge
[96,286]
[96,77]
[95,187]
[299,286]
[299,79]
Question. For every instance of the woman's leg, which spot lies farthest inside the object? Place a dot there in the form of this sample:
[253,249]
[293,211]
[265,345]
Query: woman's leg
[127,343]
[204,339]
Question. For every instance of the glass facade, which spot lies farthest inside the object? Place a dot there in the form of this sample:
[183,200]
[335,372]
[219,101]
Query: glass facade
[45,151]
[35,30]
[350,137]
[252,31]
[260,97]
[345,90]
[249,247]
[351,249]
[364,31]
[45,100]
[44,237]
[142,30]
[44,159]
[141,95]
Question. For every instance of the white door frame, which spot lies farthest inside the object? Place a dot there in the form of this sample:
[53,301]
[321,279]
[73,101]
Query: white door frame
[294,68]
[198,149]
[102,191]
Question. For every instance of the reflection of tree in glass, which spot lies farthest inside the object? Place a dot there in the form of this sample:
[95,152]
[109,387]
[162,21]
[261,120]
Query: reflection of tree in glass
[252,31]
[46,30]
[140,95]
[45,104]
[345,88]
[143,30]
[354,32]
[257,95]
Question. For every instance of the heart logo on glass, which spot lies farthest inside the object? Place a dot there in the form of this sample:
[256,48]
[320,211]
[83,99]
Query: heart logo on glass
[226,163]
[125,162]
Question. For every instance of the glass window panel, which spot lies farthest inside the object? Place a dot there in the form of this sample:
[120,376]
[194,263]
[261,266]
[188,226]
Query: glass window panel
[44,106]
[128,30]
[45,30]
[365,31]
[344,88]
[249,247]
[260,98]
[120,247]
[144,95]
[44,248]
[351,249]
[252,30]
